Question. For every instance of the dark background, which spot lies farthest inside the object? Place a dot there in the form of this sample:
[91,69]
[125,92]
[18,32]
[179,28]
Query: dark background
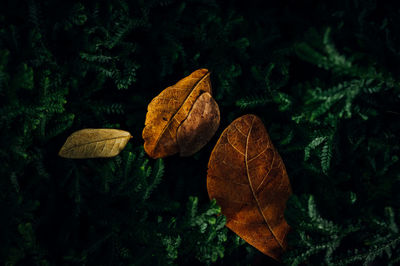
[323,77]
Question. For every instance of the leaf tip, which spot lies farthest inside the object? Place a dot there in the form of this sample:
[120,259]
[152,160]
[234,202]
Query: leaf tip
[60,153]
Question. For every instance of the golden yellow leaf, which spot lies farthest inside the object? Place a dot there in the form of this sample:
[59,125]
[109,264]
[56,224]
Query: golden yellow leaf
[200,125]
[247,177]
[168,110]
[93,143]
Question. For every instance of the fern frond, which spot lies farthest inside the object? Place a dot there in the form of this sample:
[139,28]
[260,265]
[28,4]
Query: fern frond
[157,173]
[312,145]
[326,155]
[253,101]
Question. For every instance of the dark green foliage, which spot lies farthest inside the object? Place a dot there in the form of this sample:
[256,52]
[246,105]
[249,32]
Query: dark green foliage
[345,116]
[315,235]
[325,80]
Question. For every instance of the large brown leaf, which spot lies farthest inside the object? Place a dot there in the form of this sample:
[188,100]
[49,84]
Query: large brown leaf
[93,143]
[166,112]
[247,177]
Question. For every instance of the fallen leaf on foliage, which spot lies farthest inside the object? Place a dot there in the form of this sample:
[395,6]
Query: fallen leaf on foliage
[169,109]
[200,125]
[93,143]
[247,177]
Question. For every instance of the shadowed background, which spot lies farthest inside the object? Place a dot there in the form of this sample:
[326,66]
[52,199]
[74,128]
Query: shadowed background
[323,78]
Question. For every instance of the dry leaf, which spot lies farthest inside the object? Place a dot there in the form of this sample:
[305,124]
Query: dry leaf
[166,112]
[92,143]
[199,126]
[247,177]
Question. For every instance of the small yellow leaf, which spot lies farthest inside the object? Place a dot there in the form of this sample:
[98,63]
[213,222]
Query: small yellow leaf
[94,143]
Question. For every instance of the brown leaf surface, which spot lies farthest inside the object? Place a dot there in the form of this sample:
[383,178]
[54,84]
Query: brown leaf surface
[199,126]
[247,177]
[94,143]
[166,112]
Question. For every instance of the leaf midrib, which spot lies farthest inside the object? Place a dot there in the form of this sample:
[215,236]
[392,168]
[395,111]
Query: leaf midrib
[251,185]
[102,140]
[180,107]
